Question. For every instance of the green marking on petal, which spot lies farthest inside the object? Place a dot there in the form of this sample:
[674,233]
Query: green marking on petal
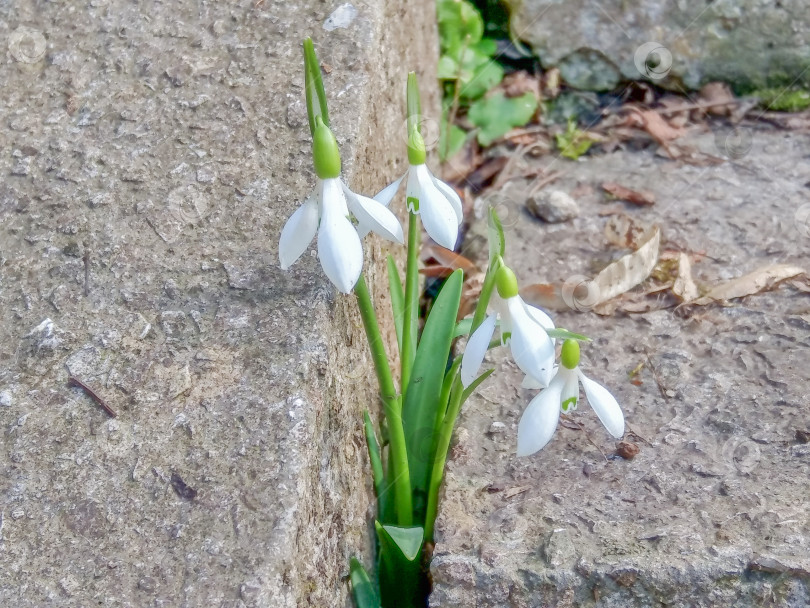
[506,282]
[413,204]
[569,356]
[569,404]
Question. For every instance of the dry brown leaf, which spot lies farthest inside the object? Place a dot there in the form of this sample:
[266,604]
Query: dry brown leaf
[518,83]
[515,491]
[628,271]
[658,128]
[718,98]
[624,232]
[448,258]
[619,277]
[754,282]
[684,286]
[637,197]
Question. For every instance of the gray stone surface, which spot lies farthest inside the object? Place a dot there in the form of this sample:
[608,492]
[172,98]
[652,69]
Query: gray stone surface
[713,511]
[749,43]
[149,155]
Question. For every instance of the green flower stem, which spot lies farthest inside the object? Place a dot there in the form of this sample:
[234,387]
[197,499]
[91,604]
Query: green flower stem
[486,293]
[410,323]
[440,456]
[392,407]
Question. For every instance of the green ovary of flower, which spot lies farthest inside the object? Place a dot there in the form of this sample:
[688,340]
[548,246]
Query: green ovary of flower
[417,153]
[325,154]
[569,356]
[506,282]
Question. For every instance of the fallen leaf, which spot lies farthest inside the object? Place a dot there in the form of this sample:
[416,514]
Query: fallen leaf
[617,278]
[628,271]
[624,232]
[754,282]
[718,98]
[658,128]
[637,197]
[515,491]
[684,286]
[448,258]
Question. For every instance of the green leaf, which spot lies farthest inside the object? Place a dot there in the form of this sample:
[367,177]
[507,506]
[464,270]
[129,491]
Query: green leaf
[460,24]
[463,327]
[564,334]
[397,298]
[484,77]
[496,237]
[365,595]
[487,47]
[497,114]
[399,565]
[424,387]
[474,385]
[447,68]
[313,84]
[450,143]
[374,457]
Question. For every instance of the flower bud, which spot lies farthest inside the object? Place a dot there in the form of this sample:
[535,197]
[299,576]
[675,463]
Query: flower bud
[325,154]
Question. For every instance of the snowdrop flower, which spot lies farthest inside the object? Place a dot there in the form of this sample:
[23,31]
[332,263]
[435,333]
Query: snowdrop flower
[523,327]
[435,201]
[327,213]
[539,421]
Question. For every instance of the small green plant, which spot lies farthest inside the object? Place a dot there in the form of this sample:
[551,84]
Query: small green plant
[781,100]
[469,68]
[573,142]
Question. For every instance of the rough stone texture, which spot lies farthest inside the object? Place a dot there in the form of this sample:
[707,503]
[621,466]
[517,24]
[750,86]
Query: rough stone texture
[714,511]
[150,153]
[553,206]
[749,43]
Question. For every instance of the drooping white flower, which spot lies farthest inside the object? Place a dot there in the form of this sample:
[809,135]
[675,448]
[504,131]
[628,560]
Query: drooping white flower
[327,213]
[437,203]
[539,420]
[523,327]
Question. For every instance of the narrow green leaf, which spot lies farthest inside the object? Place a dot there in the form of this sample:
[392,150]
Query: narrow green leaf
[414,104]
[376,465]
[474,385]
[365,595]
[313,85]
[564,334]
[463,328]
[497,240]
[424,387]
[397,298]
[399,566]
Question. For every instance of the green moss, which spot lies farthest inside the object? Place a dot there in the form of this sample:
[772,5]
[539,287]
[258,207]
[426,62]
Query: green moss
[783,100]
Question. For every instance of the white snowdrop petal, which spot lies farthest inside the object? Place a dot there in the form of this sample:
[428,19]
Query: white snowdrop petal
[532,349]
[339,248]
[386,195]
[605,406]
[476,350]
[437,213]
[539,420]
[531,383]
[374,216]
[298,233]
[451,195]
